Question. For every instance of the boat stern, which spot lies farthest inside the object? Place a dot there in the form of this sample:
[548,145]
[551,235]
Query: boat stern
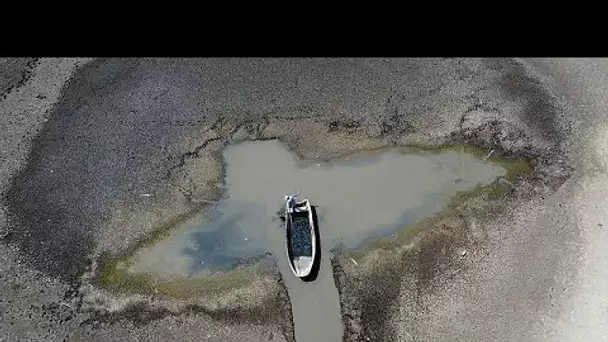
[302,266]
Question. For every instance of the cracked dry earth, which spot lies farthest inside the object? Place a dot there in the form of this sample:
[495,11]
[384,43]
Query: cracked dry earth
[99,154]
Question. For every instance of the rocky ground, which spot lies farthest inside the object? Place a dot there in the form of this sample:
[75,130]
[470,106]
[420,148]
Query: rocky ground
[75,166]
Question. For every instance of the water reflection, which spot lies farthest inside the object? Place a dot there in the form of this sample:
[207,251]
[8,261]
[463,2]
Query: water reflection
[222,241]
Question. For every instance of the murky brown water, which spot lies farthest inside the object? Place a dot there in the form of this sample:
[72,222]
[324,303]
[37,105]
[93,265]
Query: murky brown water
[362,197]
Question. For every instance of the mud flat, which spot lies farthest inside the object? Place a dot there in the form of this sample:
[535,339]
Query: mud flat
[402,186]
[452,174]
[157,128]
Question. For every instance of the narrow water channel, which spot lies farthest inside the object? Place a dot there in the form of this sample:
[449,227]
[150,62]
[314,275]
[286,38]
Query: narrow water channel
[364,196]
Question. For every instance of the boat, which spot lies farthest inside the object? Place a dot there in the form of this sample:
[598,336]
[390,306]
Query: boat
[300,236]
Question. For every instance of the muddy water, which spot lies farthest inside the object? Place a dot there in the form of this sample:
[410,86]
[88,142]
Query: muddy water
[361,197]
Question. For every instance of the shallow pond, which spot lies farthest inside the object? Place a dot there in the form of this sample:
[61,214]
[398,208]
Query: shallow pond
[366,195]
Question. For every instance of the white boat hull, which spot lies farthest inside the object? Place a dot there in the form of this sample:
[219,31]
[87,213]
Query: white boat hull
[300,238]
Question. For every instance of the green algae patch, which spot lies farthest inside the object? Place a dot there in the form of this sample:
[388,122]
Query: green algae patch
[515,167]
[114,270]
[162,232]
[116,276]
